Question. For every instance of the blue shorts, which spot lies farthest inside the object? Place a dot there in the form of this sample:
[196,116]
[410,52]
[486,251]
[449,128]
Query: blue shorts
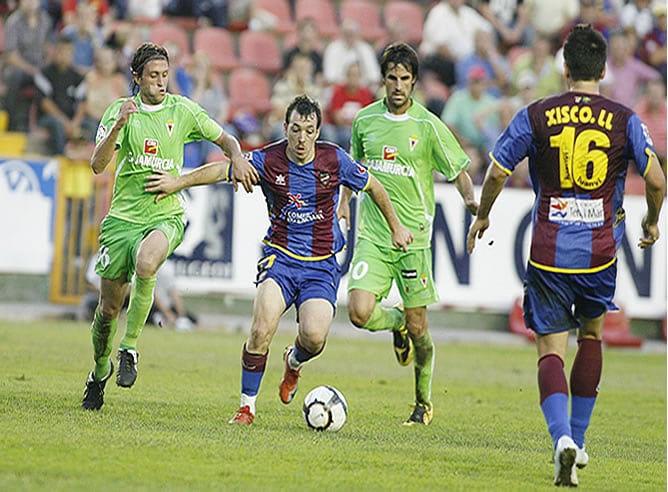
[554,302]
[300,280]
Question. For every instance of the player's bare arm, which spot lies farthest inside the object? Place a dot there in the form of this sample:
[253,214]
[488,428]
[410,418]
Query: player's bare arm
[464,186]
[242,171]
[104,150]
[343,210]
[164,183]
[655,189]
[401,236]
[491,187]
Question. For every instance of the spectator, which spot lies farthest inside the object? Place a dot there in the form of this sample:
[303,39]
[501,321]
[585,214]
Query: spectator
[461,115]
[637,15]
[150,10]
[104,19]
[652,111]
[104,84]
[448,36]
[347,99]
[510,19]
[349,48]
[628,72]
[486,55]
[307,44]
[86,35]
[296,80]
[549,17]
[61,98]
[27,32]
[653,47]
[543,65]
[591,12]
[207,12]
[168,308]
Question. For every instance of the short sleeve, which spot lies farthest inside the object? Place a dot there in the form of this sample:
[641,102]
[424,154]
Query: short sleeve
[514,143]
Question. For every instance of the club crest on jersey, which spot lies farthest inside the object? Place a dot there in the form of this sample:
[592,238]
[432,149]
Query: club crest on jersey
[389,153]
[150,146]
[324,177]
[170,126]
[412,142]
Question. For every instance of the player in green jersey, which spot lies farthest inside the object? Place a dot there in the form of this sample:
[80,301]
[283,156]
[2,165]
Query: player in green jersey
[148,131]
[401,143]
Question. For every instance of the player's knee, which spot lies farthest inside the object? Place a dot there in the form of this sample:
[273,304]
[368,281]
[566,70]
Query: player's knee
[358,316]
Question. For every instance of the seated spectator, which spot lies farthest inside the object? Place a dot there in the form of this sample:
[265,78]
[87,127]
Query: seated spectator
[629,73]
[461,115]
[544,67]
[637,16]
[549,17]
[168,310]
[448,36]
[346,49]
[652,111]
[486,55]
[104,84]
[347,99]
[61,98]
[591,12]
[296,80]
[308,43]
[86,35]
[146,10]
[101,7]
[27,32]
[653,46]
[510,19]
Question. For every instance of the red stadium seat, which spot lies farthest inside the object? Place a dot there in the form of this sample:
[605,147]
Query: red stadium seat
[280,9]
[367,14]
[260,50]
[516,321]
[410,13]
[248,90]
[617,330]
[162,33]
[219,45]
[323,14]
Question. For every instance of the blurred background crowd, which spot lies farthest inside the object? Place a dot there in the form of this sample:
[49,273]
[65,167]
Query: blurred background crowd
[64,61]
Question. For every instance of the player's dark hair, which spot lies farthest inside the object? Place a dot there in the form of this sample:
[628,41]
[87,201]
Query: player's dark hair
[145,53]
[585,53]
[305,106]
[399,54]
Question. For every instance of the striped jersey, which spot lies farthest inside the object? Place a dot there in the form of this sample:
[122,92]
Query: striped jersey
[579,147]
[302,199]
[402,152]
[152,139]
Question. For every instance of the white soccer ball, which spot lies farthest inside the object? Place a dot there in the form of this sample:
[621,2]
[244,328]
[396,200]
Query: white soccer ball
[325,409]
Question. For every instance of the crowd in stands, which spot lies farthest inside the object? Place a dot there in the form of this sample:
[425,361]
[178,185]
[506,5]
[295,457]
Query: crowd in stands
[64,61]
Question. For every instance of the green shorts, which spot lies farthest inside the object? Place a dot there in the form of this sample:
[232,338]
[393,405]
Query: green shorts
[374,267]
[120,240]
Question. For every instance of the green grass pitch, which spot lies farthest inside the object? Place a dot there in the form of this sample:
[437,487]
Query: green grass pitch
[170,431]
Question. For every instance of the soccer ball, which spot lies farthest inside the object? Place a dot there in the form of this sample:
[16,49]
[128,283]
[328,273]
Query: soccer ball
[325,409]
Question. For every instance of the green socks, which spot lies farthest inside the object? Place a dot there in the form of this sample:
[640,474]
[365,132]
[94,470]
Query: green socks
[141,300]
[424,365]
[103,338]
[383,318]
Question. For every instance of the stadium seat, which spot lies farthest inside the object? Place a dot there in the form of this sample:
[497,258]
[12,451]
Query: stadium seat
[367,14]
[323,14]
[280,9]
[260,50]
[162,33]
[410,13]
[248,90]
[617,330]
[219,45]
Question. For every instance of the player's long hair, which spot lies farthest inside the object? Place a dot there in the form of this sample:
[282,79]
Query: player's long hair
[145,53]
[399,54]
[585,53]
[305,106]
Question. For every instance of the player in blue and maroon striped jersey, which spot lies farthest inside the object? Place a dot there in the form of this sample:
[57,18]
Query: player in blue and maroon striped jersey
[300,178]
[579,145]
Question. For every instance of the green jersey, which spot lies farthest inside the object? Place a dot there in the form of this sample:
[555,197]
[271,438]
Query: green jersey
[152,139]
[402,151]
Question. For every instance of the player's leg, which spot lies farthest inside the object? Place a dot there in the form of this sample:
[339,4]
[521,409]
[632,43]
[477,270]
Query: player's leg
[268,308]
[370,280]
[595,298]
[418,331]
[548,302]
